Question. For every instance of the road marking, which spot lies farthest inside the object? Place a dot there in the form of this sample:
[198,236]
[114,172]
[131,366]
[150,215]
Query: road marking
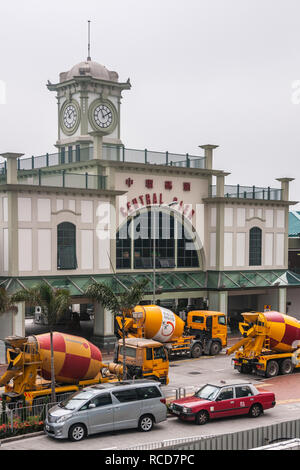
[290,400]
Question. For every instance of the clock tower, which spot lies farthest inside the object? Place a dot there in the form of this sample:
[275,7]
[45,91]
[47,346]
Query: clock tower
[89,103]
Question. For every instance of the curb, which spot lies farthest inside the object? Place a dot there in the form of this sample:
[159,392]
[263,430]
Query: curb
[22,436]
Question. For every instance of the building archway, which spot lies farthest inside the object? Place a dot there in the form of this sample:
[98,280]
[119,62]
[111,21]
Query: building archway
[177,244]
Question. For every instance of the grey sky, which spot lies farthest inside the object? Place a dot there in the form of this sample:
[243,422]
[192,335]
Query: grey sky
[202,71]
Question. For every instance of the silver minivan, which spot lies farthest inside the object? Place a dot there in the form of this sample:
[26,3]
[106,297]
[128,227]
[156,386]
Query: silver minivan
[107,407]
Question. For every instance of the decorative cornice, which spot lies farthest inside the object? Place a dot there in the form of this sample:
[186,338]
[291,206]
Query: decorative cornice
[257,202]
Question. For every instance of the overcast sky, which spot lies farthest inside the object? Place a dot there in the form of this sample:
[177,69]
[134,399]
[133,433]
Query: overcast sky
[202,71]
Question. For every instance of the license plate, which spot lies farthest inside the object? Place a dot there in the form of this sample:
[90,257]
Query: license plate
[176,412]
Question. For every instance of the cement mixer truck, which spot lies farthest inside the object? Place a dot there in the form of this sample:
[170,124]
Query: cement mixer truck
[270,344]
[77,363]
[204,332]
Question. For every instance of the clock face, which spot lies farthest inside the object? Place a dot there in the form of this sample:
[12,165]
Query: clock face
[70,116]
[103,116]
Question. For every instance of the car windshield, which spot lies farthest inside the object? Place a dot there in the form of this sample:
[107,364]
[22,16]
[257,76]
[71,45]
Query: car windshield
[76,400]
[208,392]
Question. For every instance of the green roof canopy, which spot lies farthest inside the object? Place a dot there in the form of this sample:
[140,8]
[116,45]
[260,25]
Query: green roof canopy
[165,281]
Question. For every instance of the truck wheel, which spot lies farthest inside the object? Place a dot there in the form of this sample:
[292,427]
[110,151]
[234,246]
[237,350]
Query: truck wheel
[146,423]
[255,410]
[272,369]
[215,348]
[196,350]
[202,417]
[77,432]
[286,367]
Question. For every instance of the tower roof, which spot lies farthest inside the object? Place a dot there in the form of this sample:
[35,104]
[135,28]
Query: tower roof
[89,68]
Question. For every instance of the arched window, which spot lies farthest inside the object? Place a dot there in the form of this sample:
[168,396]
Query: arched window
[255,246]
[173,246]
[66,246]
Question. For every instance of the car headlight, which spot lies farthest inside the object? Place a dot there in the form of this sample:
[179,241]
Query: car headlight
[63,418]
[171,406]
[186,410]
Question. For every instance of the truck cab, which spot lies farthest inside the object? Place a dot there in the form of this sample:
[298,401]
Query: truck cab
[145,358]
[208,325]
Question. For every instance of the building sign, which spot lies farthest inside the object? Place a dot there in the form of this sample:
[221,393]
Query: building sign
[146,200]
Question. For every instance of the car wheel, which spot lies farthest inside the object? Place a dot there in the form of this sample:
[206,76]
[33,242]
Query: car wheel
[196,351]
[215,348]
[255,410]
[272,369]
[77,432]
[146,423]
[202,417]
[286,367]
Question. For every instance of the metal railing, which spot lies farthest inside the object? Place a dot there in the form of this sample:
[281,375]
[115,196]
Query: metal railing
[249,192]
[61,179]
[13,419]
[110,152]
[249,439]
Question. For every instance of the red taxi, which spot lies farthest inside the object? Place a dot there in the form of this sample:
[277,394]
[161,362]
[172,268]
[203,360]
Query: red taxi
[222,399]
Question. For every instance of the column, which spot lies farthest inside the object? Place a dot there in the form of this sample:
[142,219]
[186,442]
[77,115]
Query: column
[12,225]
[218,301]
[208,153]
[282,299]
[285,183]
[103,334]
[97,143]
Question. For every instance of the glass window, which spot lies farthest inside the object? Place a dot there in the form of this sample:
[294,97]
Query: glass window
[145,393]
[255,246]
[187,256]
[130,352]
[208,392]
[222,321]
[159,353]
[123,244]
[138,235]
[77,153]
[197,319]
[149,354]
[70,153]
[226,394]
[102,400]
[243,391]
[62,155]
[66,246]
[125,396]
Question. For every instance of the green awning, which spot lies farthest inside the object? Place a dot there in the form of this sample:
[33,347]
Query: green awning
[178,281]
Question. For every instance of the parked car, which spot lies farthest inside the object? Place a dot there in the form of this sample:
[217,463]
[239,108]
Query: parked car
[107,407]
[218,400]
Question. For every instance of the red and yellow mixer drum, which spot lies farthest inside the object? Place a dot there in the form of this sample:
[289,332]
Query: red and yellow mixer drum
[75,358]
[282,330]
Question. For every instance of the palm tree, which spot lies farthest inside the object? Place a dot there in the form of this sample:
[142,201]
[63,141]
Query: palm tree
[118,304]
[6,303]
[54,303]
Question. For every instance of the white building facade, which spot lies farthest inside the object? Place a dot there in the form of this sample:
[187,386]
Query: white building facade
[96,210]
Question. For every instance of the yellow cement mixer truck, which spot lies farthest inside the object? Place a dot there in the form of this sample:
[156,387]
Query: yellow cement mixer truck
[270,344]
[204,332]
[77,364]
